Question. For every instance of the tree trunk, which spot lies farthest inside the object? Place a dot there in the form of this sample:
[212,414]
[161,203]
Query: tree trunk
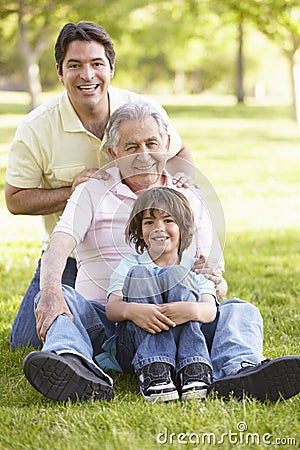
[240,94]
[179,81]
[33,81]
[30,57]
[294,71]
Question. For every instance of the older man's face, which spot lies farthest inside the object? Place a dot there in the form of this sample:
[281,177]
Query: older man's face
[141,153]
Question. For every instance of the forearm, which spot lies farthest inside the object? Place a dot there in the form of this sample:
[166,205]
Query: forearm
[206,309]
[117,310]
[54,260]
[37,201]
[182,162]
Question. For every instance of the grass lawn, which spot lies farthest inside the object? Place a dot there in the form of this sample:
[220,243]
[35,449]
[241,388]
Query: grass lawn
[251,157]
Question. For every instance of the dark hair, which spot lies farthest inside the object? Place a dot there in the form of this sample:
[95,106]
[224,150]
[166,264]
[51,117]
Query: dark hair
[165,199]
[83,31]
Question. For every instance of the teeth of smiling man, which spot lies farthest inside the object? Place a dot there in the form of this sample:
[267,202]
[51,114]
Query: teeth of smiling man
[89,87]
[145,168]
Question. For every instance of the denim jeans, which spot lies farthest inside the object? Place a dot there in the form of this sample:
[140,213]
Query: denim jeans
[179,346]
[236,335]
[24,328]
[85,335]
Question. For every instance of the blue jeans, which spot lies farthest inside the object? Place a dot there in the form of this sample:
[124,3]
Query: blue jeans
[85,335]
[236,335]
[24,326]
[179,346]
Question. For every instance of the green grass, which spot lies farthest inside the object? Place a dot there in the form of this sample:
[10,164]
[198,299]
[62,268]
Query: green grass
[251,156]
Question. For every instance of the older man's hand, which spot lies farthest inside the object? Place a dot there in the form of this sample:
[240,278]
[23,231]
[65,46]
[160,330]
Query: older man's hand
[212,271]
[51,305]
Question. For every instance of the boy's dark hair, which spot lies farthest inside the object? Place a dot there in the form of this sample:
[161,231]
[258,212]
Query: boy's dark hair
[165,199]
[83,31]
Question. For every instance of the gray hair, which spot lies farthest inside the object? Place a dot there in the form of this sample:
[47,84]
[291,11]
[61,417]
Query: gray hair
[132,111]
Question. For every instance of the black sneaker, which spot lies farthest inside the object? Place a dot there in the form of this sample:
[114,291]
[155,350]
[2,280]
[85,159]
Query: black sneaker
[156,384]
[194,380]
[65,377]
[270,380]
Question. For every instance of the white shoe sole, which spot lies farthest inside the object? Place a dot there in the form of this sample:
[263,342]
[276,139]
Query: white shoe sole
[161,396]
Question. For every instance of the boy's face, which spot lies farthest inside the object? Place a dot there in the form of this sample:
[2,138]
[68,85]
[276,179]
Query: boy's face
[161,234]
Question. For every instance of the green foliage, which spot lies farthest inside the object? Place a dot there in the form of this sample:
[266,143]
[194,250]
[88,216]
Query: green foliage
[251,157]
[157,43]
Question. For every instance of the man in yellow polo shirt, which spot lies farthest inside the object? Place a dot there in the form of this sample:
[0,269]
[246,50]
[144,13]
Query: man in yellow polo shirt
[57,145]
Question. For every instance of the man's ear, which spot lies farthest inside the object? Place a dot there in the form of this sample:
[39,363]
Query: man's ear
[59,74]
[112,153]
[112,72]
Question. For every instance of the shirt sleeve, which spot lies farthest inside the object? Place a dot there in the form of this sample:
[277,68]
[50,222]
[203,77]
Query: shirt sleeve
[78,214]
[118,276]
[205,286]
[24,165]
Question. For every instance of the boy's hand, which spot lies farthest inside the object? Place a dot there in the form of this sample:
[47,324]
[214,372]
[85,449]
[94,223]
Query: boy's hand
[150,318]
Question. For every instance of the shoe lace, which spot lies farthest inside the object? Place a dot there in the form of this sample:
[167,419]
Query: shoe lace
[245,364]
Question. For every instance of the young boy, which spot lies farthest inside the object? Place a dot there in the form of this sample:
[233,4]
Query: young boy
[160,303]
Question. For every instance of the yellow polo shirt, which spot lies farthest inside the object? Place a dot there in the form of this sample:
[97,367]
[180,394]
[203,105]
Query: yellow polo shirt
[51,146]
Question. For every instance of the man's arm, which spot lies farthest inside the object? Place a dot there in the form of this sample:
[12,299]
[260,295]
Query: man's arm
[36,201]
[39,201]
[52,302]
[182,162]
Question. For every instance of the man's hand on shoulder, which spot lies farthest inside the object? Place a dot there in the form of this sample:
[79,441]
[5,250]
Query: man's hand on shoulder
[180,179]
[87,174]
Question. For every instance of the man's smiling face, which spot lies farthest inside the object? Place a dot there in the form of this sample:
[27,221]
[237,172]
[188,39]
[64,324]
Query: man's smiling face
[141,153]
[86,74]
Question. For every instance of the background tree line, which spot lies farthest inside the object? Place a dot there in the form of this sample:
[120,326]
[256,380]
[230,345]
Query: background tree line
[188,46]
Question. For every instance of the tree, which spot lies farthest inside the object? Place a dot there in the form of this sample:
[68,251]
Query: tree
[280,21]
[32,20]
[182,39]
[36,22]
